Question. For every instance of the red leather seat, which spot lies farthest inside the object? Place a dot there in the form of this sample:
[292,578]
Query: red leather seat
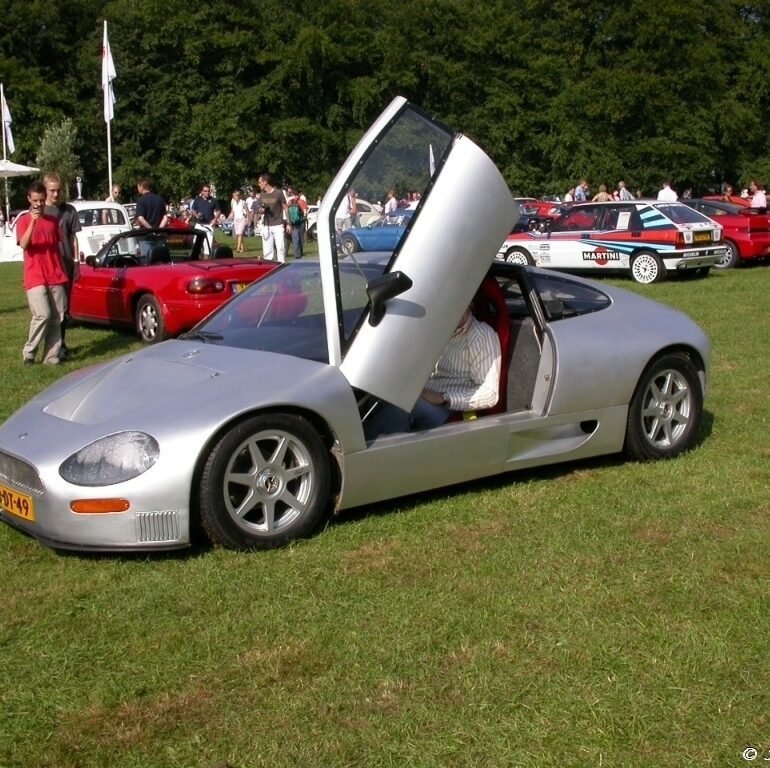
[489,306]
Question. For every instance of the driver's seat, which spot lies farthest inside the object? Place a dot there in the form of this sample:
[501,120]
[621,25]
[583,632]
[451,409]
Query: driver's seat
[489,306]
[160,254]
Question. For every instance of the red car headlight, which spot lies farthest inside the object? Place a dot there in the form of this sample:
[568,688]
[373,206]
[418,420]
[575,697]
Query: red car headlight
[205,285]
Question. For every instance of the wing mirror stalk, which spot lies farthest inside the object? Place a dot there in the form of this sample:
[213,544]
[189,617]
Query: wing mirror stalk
[381,289]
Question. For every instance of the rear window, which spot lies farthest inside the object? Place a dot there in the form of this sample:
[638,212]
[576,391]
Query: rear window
[682,214]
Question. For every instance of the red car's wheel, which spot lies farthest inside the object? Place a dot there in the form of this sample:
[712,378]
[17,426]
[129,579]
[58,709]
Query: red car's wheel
[731,258]
[149,320]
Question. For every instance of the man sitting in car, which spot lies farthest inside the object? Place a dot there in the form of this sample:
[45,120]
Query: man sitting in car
[465,378]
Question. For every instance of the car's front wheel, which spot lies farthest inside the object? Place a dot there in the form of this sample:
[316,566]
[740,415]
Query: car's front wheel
[646,268]
[348,244]
[149,320]
[265,483]
[518,256]
[731,258]
[666,410]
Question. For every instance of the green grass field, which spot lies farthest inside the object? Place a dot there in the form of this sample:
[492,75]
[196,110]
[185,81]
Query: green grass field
[594,614]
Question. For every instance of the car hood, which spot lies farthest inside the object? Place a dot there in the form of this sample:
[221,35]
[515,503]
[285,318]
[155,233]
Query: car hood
[165,382]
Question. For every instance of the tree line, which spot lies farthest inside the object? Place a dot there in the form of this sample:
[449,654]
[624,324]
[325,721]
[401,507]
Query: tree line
[553,91]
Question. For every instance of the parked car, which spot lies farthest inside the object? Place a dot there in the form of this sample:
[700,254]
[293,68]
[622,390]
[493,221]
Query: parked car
[99,221]
[746,230]
[382,234]
[252,424]
[160,281]
[645,238]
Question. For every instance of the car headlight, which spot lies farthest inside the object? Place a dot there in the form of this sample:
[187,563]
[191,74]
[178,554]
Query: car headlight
[113,459]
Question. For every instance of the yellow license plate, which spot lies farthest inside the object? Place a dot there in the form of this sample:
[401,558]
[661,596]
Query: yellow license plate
[702,237]
[16,503]
[238,287]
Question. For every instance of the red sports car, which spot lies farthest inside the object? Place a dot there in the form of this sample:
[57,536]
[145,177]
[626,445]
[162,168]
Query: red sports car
[161,281]
[746,231]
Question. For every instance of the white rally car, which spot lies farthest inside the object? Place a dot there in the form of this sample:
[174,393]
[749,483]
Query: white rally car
[647,238]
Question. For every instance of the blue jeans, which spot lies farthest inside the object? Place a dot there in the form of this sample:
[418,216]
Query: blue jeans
[388,418]
[296,240]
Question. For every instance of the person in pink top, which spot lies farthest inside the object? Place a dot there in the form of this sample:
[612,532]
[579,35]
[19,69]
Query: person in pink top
[45,280]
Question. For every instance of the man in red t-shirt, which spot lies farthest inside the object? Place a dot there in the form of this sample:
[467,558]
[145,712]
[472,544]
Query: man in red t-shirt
[44,277]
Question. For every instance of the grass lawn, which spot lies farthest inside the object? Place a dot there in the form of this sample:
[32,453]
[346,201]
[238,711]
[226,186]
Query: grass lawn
[601,613]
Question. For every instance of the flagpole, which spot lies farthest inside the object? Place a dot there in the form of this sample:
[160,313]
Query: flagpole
[2,119]
[107,88]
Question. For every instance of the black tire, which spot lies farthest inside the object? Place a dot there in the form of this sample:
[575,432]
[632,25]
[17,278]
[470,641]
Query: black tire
[265,483]
[149,320]
[731,258]
[647,268]
[311,232]
[348,244]
[666,409]
[519,256]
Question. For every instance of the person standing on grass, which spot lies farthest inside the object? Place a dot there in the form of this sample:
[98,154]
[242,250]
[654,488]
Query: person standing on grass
[238,214]
[45,280]
[275,219]
[69,224]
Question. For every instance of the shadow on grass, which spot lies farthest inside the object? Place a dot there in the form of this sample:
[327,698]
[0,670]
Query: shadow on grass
[116,342]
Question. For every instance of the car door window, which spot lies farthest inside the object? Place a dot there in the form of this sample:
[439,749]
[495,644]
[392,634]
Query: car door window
[578,219]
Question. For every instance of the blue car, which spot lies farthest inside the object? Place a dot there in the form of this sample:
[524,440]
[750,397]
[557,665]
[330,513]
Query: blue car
[383,234]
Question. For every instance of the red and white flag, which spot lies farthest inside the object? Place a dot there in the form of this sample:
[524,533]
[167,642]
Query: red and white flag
[7,123]
[108,75]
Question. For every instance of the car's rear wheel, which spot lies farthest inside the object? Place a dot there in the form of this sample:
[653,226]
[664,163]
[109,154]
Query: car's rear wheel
[348,244]
[519,256]
[731,258]
[149,320]
[265,483]
[646,268]
[666,409]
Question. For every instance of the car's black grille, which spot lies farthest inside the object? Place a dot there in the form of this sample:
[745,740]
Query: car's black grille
[20,474]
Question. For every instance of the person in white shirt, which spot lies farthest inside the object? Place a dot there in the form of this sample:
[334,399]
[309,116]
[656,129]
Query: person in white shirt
[758,197]
[666,193]
[465,378]
[392,202]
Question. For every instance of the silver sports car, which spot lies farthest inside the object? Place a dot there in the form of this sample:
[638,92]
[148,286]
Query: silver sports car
[251,428]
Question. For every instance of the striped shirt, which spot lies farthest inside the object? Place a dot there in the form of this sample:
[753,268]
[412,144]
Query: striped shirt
[468,371]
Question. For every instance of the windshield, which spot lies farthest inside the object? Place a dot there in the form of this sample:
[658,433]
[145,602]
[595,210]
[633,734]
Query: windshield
[283,312]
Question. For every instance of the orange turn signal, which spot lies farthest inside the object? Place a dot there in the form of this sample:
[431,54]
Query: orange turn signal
[99,506]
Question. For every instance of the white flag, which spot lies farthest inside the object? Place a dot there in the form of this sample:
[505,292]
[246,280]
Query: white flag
[108,75]
[7,124]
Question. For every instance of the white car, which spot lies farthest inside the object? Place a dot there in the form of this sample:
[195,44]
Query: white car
[99,221]
[367,213]
[646,238]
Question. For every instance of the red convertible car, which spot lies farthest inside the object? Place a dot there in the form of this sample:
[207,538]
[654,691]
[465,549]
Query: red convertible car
[746,231]
[161,281]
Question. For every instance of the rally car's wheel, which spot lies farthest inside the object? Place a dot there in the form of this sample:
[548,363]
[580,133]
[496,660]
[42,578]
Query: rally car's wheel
[348,244]
[666,410]
[265,483]
[518,256]
[731,258]
[149,320]
[646,268]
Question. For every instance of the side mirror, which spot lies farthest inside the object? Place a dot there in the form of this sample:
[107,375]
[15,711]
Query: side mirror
[91,261]
[381,289]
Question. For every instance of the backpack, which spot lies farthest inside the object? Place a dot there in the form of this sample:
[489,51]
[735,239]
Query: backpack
[295,214]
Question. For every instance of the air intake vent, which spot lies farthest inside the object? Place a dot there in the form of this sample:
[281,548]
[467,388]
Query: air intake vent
[157,526]
[19,474]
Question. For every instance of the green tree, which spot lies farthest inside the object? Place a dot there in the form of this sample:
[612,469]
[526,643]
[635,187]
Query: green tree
[57,152]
